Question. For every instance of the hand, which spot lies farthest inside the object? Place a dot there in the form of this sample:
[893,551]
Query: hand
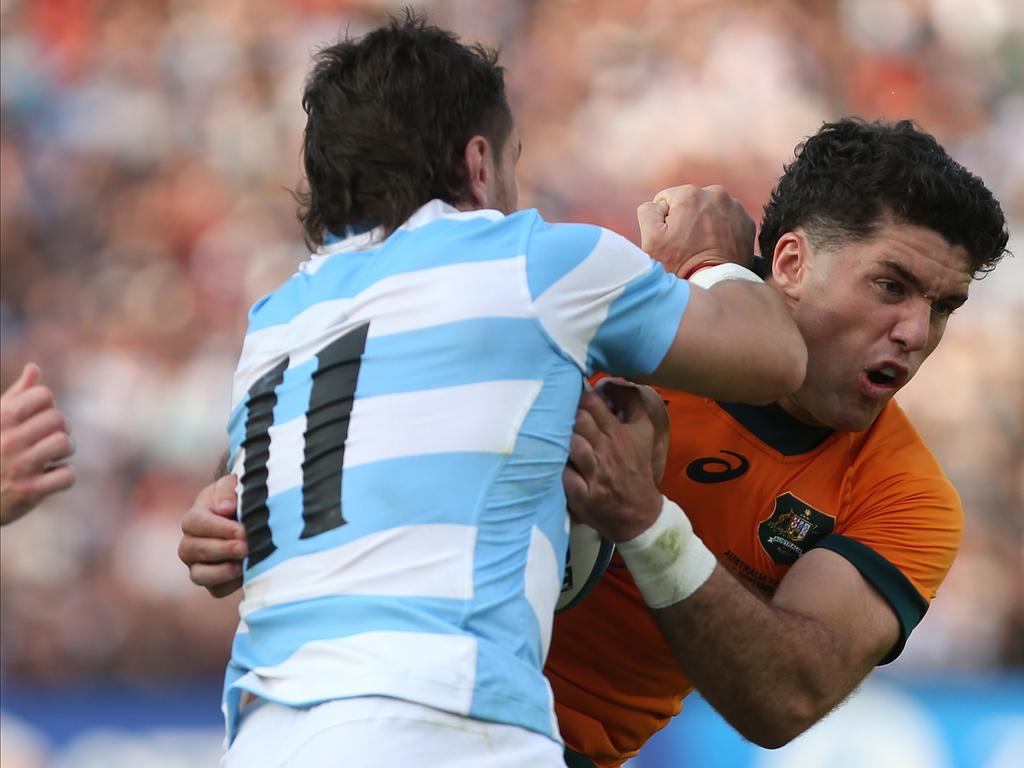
[688,225]
[213,542]
[34,443]
[617,456]
[621,397]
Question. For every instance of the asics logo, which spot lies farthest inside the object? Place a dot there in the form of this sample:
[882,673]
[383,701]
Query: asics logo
[713,469]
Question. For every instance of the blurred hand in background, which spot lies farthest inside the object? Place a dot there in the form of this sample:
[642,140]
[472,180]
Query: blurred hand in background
[34,446]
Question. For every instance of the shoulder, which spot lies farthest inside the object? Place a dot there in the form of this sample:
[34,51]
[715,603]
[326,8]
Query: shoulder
[571,238]
[596,257]
[892,455]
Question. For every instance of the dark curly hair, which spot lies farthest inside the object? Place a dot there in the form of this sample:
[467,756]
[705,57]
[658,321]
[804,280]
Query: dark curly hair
[852,174]
[388,119]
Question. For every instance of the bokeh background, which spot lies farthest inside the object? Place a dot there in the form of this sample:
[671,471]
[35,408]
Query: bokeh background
[147,150]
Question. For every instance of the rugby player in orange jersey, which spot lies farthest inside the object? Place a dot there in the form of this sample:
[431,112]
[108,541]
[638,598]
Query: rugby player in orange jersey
[831,524]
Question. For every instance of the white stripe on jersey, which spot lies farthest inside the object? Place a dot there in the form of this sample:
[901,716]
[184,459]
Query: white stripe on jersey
[405,302]
[574,307]
[482,418]
[287,450]
[406,665]
[434,560]
[543,582]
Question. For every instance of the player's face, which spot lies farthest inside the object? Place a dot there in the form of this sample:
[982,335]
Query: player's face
[871,312]
[506,184]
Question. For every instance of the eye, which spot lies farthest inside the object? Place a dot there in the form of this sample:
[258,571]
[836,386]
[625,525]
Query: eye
[942,309]
[890,287]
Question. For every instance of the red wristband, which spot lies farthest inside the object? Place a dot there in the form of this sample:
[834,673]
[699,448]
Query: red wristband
[709,263]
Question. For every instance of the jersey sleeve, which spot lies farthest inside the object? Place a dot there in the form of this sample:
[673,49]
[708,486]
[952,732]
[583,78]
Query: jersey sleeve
[601,300]
[904,529]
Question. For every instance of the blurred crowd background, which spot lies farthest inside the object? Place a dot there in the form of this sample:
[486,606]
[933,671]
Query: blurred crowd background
[148,149]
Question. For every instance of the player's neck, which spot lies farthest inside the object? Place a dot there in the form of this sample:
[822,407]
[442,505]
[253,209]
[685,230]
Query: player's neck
[791,406]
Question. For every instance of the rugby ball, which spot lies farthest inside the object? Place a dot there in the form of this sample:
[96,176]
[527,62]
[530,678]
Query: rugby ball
[585,564]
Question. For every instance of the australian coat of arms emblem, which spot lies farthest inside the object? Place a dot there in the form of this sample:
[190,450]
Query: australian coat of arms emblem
[793,528]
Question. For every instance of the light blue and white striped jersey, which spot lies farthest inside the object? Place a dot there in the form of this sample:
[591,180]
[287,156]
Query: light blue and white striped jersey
[401,418]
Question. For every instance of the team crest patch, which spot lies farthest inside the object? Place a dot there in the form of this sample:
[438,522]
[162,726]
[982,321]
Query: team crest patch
[793,528]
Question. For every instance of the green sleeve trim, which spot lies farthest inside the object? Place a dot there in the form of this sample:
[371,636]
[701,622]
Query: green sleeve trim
[889,580]
[576,760]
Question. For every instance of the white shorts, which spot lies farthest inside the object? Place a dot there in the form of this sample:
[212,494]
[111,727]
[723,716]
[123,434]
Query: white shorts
[379,732]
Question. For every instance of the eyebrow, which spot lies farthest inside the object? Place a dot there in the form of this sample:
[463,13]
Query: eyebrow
[915,281]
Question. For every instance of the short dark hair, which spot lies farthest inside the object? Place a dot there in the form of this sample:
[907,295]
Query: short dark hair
[852,174]
[388,119]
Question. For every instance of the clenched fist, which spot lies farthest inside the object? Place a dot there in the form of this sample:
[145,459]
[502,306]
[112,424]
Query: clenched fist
[686,226]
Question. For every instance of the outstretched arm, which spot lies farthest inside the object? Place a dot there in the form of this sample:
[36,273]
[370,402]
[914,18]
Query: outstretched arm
[771,668]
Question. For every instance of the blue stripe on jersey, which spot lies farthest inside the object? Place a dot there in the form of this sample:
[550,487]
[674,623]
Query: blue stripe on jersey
[555,250]
[500,347]
[527,492]
[294,391]
[373,500]
[346,274]
[509,688]
[618,332]
[236,428]
[275,633]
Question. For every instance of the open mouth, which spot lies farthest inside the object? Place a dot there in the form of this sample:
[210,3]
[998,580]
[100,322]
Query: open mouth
[888,376]
[885,377]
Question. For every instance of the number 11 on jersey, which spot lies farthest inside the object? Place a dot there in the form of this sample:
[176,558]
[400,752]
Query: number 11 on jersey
[327,421]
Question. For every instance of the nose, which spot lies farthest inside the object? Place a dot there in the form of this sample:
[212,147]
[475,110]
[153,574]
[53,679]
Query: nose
[913,326]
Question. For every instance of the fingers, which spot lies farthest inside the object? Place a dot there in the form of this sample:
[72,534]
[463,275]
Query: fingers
[52,448]
[58,478]
[601,419]
[29,376]
[581,456]
[595,425]
[204,522]
[600,389]
[225,500]
[36,428]
[633,402]
[651,218]
[593,419]
[576,489]
[23,405]
[702,224]
[682,194]
[624,398]
[221,577]
[218,497]
[211,550]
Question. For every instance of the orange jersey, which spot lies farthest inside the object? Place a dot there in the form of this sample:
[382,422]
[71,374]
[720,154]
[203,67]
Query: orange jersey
[761,489]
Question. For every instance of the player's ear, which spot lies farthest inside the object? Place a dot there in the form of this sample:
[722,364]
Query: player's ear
[479,170]
[792,263]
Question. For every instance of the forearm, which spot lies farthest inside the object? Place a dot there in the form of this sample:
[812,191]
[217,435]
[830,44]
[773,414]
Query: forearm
[769,671]
[775,347]
[736,341]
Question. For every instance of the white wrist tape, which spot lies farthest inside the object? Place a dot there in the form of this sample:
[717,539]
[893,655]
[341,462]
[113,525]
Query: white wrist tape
[668,561]
[709,276]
